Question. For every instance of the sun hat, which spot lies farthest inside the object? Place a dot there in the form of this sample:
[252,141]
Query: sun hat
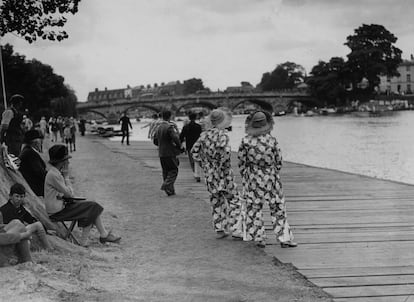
[220,118]
[31,135]
[58,153]
[258,123]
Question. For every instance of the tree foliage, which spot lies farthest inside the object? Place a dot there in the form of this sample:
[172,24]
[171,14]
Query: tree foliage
[192,86]
[284,76]
[328,81]
[31,19]
[36,81]
[372,54]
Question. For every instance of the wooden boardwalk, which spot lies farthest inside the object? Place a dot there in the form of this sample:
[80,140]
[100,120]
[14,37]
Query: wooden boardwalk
[355,233]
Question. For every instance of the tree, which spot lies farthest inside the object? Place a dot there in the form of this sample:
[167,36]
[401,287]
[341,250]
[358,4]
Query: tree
[372,54]
[31,19]
[36,81]
[328,81]
[192,86]
[285,76]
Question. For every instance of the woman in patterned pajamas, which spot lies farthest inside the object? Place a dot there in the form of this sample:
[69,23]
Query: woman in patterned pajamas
[212,151]
[260,161]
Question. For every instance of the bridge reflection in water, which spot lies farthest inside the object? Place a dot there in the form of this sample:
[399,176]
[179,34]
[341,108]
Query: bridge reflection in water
[270,101]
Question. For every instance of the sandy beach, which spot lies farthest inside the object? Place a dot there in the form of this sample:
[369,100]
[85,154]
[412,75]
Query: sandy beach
[168,250]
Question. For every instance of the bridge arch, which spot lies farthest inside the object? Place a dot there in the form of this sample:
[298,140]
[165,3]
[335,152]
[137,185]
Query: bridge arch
[262,104]
[196,104]
[153,108]
[93,111]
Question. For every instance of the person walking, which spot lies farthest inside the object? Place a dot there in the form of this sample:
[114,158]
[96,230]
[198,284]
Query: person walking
[12,131]
[54,128]
[260,161]
[212,151]
[190,134]
[125,125]
[72,123]
[168,142]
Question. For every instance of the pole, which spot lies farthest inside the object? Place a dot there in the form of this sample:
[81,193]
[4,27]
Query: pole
[2,78]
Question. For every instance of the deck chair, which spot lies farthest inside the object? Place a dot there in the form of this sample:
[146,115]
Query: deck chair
[69,230]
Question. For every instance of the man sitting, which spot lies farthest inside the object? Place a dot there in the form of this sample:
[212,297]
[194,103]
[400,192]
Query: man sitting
[32,166]
[14,209]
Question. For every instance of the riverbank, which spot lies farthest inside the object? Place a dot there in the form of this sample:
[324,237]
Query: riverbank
[168,251]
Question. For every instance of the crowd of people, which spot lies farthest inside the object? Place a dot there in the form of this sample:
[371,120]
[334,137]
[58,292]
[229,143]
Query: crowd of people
[51,185]
[235,213]
[239,214]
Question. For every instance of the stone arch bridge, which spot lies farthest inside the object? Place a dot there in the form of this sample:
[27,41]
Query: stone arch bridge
[269,101]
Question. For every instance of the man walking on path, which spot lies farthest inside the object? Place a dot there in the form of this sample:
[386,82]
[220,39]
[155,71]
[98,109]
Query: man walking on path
[168,142]
[190,134]
[125,124]
[11,126]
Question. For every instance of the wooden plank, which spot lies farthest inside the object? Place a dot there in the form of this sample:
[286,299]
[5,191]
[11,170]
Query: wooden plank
[371,291]
[403,298]
[364,281]
[357,271]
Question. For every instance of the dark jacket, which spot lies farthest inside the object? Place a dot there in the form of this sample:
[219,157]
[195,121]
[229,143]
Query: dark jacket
[125,122]
[190,134]
[33,169]
[10,212]
[167,140]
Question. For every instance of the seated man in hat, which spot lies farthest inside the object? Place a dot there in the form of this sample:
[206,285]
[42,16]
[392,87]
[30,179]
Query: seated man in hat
[14,209]
[60,204]
[32,166]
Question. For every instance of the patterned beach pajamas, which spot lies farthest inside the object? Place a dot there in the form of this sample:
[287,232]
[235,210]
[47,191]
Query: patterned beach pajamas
[260,161]
[212,151]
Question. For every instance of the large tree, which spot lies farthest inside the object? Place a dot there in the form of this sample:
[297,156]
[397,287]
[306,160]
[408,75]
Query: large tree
[31,19]
[285,76]
[328,81]
[36,81]
[192,85]
[373,53]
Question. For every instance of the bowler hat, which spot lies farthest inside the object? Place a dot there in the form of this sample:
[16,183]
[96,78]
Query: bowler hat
[258,123]
[58,153]
[31,135]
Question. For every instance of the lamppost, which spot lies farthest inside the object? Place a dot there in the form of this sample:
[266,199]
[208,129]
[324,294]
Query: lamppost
[2,77]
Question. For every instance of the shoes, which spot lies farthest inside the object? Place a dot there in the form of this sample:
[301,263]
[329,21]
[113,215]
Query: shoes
[288,244]
[238,238]
[261,244]
[221,235]
[169,193]
[198,179]
[110,238]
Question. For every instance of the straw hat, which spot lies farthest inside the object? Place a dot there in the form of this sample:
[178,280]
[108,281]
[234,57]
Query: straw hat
[220,118]
[58,153]
[258,123]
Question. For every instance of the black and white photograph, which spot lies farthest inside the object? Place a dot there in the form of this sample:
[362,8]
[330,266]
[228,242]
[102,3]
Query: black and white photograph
[207,150]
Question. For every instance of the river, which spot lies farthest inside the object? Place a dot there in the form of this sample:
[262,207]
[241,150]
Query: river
[381,147]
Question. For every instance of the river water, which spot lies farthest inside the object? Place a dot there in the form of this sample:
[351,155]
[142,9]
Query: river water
[381,147]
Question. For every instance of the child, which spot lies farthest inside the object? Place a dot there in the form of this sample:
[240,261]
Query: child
[67,134]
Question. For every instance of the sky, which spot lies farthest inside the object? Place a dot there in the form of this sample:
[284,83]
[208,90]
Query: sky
[223,42]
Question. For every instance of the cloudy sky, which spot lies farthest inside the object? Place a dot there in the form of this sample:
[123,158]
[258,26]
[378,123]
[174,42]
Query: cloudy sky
[223,42]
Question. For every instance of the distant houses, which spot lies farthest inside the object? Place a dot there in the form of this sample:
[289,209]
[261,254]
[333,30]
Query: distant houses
[401,85]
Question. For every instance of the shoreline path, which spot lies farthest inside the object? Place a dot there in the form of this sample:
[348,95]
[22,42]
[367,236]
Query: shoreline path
[168,250]
[355,235]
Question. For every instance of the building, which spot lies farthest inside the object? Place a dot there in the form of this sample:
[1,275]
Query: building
[404,84]
[110,95]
